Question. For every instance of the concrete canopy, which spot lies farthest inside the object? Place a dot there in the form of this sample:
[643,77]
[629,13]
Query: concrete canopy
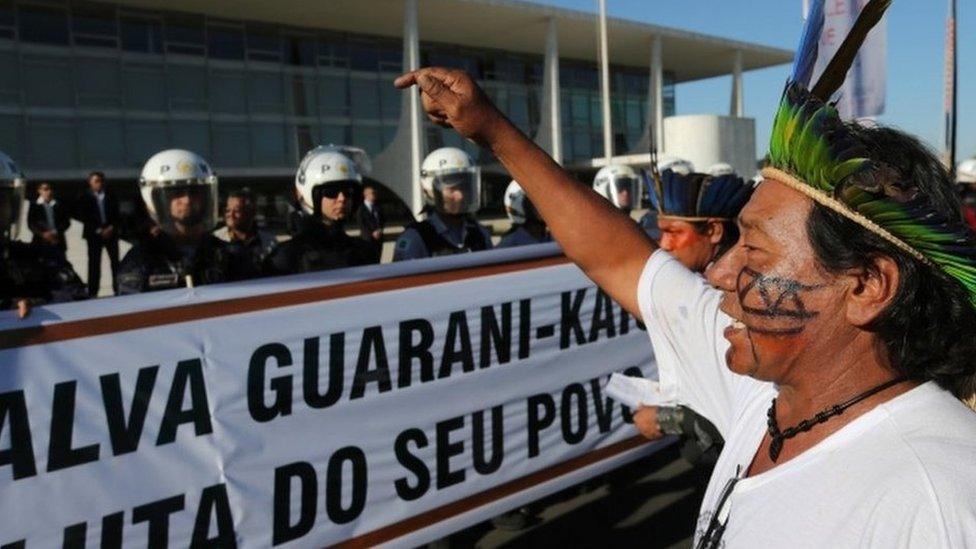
[509,25]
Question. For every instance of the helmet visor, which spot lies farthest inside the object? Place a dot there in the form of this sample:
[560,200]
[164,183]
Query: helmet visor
[11,201]
[458,192]
[189,206]
[625,192]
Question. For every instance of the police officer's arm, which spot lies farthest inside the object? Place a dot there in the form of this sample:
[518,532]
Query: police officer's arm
[602,240]
[409,246]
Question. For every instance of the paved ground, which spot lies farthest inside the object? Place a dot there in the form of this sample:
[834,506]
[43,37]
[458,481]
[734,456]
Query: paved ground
[651,503]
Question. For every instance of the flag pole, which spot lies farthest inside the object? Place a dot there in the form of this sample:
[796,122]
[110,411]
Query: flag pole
[950,89]
[605,84]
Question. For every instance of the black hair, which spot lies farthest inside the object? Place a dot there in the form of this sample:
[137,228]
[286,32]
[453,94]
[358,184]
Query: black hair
[730,235]
[928,332]
[246,196]
[93,174]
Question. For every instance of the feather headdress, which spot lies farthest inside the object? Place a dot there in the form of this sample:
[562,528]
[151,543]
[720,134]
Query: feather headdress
[813,152]
[699,197]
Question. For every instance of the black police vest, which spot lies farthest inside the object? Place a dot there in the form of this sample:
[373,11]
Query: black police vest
[437,245]
[158,264]
[37,272]
[318,247]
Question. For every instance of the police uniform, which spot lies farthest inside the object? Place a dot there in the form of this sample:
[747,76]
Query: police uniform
[39,273]
[159,263]
[520,236]
[248,257]
[433,237]
[321,247]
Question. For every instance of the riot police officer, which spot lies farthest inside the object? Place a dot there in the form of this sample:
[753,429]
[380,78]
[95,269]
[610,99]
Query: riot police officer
[29,273]
[327,184]
[527,225]
[180,193]
[619,184]
[451,186]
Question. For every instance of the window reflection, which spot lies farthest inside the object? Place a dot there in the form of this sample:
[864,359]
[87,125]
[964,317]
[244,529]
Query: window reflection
[231,146]
[142,35]
[43,25]
[94,26]
[184,35]
[263,43]
[52,140]
[228,92]
[304,86]
[225,43]
[144,139]
[102,143]
[47,82]
[145,87]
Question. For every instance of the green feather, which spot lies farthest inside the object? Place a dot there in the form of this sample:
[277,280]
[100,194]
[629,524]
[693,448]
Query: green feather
[810,142]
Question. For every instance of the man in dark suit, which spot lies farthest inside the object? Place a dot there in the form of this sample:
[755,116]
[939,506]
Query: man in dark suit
[99,211]
[48,219]
[371,220]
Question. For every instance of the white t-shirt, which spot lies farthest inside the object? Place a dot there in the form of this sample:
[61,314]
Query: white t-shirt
[901,475]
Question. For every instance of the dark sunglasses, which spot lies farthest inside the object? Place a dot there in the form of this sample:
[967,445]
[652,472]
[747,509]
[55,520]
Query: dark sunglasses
[332,191]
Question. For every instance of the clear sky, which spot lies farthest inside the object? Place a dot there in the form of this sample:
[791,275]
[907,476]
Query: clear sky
[916,38]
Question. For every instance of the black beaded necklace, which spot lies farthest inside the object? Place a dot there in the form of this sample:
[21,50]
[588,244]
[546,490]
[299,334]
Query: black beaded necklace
[776,446]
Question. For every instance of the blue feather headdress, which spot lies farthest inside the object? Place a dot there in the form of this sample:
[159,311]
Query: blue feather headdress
[699,197]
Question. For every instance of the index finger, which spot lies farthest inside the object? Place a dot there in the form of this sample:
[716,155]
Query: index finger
[408,79]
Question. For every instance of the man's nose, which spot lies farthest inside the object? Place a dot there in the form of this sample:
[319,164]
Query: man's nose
[723,273]
[667,243]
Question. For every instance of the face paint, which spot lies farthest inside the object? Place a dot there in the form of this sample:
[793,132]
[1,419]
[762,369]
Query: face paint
[693,249]
[774,305]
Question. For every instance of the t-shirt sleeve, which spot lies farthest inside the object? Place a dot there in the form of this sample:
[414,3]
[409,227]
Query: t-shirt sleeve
[680,310]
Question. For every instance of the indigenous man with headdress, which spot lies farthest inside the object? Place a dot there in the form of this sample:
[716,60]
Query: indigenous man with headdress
[696,215]
[848,310]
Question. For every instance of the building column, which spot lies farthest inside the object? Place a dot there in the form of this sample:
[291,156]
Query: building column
[398,166]
[550,136]
[656,94]
[605,85]
[653,135]
[735,109]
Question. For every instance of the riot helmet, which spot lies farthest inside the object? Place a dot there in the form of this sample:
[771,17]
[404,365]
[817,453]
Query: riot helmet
[620,185]
[966,171]
[180,192]
[518,206]
[325,173]
[720,169]
[450,181]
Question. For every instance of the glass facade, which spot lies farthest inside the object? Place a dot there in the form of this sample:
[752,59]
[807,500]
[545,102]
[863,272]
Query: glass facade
[98,86]
[582,113]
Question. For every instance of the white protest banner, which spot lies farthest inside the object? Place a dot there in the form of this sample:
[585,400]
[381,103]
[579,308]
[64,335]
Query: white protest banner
[864,91]
[387,404]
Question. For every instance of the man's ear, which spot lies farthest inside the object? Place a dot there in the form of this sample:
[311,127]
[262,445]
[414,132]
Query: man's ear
[872,290]
[716,231]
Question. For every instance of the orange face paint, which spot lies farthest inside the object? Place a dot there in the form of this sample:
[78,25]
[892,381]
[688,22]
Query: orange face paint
[692,248]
